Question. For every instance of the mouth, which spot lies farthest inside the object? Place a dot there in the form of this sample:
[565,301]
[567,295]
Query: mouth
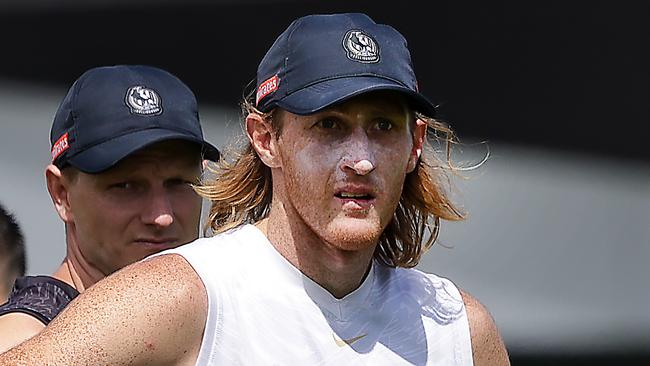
[161,243]
[350,195]
[355,201]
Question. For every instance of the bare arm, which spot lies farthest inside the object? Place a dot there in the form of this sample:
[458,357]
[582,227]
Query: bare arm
[15,328]
[487,345]
[152,312]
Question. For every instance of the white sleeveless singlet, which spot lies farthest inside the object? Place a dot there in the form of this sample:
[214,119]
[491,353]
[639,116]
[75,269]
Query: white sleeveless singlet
[264,311]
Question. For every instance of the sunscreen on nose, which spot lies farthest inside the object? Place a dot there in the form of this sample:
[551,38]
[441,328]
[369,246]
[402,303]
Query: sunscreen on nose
[363,167]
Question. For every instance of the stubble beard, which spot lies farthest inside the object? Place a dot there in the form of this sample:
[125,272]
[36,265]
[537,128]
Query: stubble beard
[352,234]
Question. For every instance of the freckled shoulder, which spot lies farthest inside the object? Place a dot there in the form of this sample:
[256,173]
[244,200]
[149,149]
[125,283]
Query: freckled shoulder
[150,312]
[488,347]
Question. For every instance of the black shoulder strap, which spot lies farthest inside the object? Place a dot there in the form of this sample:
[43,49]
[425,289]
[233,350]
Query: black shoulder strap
[42,297]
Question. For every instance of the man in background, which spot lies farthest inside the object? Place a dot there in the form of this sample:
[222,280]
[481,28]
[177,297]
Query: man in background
[126,146]
[12,252]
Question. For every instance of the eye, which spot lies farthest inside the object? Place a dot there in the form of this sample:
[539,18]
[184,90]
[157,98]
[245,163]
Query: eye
[176,182]
[125,188]
[327,123]
[122,186]
[384,125]
[179,182]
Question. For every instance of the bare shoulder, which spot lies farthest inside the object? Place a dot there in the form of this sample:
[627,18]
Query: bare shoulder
[488,347]
[150,312]
[168,273]
[15,328]
[166,281]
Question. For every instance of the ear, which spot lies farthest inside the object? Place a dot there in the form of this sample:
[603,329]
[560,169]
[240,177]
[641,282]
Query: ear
[260,134]
[419,134]
[58,187]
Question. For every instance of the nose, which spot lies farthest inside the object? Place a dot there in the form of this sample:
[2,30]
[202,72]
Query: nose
[159,211]
[358,157]
[360,167]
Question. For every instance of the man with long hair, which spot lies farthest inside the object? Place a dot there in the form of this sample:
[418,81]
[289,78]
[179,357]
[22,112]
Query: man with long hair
[319,220]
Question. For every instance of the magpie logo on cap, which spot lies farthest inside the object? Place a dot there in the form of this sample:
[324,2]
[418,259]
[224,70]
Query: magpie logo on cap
[144,101]
[360,47]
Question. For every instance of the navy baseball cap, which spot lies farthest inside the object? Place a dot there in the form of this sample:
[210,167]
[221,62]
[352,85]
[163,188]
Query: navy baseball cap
[324,59]
[111,112]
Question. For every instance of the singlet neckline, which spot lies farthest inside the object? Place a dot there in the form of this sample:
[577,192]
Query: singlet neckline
[342,309]
[30,280]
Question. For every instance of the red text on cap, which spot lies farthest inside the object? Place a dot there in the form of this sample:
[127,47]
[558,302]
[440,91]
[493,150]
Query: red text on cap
[267,87]
[60,146]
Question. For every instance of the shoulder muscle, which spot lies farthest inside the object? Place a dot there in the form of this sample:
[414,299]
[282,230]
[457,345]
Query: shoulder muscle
[151,312]
[488,347]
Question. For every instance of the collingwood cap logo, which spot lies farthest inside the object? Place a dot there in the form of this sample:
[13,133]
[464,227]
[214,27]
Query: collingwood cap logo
[360,47]
[143,100]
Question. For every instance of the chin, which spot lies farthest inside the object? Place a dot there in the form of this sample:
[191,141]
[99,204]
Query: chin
[353,234]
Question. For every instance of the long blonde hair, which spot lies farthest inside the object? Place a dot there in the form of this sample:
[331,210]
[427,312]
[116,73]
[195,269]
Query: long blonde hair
[241,192]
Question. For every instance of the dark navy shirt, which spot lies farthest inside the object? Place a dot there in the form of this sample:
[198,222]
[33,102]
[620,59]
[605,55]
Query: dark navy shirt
[42,297]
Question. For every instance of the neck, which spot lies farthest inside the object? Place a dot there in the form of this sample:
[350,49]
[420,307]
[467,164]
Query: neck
[338,271]
[75,270]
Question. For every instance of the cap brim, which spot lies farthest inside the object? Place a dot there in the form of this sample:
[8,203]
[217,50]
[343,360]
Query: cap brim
[105,155]
[327,93]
